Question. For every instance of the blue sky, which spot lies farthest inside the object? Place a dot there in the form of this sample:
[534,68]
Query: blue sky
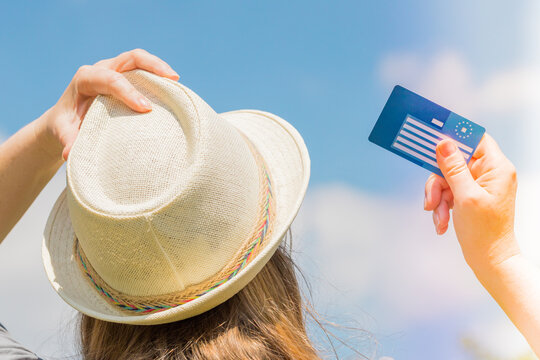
[325,66]
[312,62]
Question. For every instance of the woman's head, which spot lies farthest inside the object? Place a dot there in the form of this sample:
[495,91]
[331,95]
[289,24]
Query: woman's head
[189,202]
[265,320]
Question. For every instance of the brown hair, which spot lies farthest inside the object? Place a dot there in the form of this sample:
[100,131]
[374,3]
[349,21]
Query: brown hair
[265,320]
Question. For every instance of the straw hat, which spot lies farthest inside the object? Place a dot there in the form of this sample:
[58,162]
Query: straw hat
[169,213]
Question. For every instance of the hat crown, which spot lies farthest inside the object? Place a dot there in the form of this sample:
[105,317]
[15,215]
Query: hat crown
[163,200]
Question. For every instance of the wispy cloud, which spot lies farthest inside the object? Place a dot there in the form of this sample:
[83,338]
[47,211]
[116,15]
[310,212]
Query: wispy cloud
[387,249]
[504,101]
[449,80]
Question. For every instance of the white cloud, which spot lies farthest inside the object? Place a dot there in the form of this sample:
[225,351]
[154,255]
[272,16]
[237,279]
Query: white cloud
[505,102]
[447,78]
[384,249]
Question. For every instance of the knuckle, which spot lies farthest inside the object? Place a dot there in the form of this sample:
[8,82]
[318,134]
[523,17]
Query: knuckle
[114,79]
[83,70]
[138,52]
[120,86]
[456,170]
[81,78]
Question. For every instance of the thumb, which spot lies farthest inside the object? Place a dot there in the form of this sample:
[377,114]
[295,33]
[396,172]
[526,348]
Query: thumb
[454,168]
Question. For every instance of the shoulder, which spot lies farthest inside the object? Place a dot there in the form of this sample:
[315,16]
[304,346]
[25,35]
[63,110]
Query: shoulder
[10,349]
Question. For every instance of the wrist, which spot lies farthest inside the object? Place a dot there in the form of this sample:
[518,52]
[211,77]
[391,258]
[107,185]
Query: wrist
[45,137]
[502,252]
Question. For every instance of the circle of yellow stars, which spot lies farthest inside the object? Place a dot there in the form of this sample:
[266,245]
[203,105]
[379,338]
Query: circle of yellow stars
[463,129]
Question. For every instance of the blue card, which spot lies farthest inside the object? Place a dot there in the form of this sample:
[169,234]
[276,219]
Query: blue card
[411,126]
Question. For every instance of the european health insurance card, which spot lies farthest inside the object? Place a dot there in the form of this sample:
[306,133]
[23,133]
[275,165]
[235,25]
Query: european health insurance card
[411,126]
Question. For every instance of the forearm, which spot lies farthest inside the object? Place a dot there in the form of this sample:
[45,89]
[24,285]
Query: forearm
[26,166]
[515,285]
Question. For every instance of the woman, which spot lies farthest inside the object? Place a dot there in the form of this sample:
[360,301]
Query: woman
[264,318]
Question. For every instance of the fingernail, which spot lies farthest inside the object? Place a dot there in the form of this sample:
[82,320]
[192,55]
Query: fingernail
[145,103]
[447,148]
[175,73]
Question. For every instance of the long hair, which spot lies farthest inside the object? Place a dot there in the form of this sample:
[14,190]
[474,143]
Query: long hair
[265,320]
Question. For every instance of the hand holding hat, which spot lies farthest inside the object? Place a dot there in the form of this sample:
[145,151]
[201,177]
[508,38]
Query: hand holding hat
[63,123]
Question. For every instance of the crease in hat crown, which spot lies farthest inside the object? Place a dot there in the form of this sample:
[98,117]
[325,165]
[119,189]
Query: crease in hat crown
[161,200]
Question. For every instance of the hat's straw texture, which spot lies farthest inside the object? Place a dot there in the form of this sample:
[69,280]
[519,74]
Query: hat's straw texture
[149,304]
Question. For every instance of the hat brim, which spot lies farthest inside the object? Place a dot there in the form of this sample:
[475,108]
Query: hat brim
[288,162]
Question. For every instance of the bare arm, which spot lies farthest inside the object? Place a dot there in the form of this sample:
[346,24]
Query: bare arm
[30,158]
[25,169]
[515,285]
[482,196]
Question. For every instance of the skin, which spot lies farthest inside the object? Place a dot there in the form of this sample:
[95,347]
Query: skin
[30,158]
[482,196]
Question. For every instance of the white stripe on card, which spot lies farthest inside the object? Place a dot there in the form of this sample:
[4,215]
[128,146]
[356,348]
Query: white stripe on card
[406,133]
[420,133]
[416,147]
[415,154]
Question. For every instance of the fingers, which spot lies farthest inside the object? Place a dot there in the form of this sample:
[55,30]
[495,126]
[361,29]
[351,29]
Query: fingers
[433,191]
[105,78]
[454,168]
[139,59]
[93,80]
[440,200]
[441,215]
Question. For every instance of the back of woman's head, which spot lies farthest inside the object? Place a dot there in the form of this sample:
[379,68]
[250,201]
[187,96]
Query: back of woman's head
[265,320]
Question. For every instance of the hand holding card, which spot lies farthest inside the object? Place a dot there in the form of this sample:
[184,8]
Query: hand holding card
[483,197]
[479,183]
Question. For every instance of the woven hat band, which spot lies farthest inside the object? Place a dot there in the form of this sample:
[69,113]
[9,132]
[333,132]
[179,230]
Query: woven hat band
[249,249]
